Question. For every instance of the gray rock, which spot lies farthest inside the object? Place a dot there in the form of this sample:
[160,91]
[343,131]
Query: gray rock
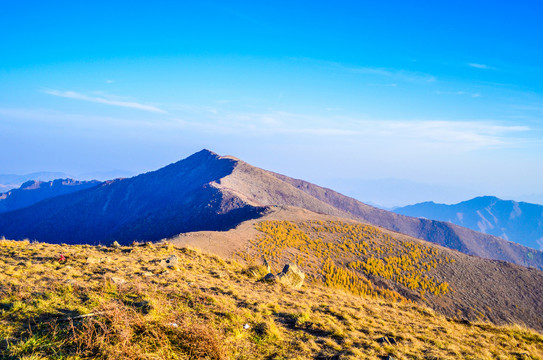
[170,262]
[291,276]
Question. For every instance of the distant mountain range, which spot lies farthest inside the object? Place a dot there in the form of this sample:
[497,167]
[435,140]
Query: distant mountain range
[12,181]
[32,192]
[519,222]
[210,192]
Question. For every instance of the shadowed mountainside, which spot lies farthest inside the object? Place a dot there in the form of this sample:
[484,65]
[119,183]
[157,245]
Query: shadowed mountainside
[519,222]
[210,192]
[34,191]
[172,200]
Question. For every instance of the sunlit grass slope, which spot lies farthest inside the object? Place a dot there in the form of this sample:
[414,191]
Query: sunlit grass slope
[75,302]
[342,255]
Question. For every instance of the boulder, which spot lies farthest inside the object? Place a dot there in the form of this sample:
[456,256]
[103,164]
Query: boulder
[291,276]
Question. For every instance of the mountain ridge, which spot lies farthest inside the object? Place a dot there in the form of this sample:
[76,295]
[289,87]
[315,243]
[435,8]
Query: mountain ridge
[520,222]
[33,191]
[206,191]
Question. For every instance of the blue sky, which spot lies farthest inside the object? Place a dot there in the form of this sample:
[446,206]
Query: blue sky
[448,94]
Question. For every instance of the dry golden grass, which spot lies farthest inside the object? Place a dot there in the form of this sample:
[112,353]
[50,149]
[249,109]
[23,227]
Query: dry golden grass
[120,303]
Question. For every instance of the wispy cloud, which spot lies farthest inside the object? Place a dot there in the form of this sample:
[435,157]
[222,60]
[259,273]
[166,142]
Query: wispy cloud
[466,135]
[444,135]
[479,66]
[391,75]
[462,93]
[103,100]
[400,75]
[419,136]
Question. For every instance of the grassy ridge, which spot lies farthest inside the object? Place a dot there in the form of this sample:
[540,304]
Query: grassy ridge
[122,303]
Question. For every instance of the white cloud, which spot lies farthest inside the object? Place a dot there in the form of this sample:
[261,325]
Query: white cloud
[462,135]
[406,136]
[400,75]
[462,93]
[479,66]
[441,135]
[102,100]
[391,75]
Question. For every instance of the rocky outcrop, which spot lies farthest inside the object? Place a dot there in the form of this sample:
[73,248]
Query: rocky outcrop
[290,276]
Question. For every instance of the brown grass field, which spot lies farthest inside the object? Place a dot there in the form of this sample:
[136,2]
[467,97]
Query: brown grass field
[121,303]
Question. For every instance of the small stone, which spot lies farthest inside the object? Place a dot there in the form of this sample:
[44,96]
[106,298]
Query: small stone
[170,262]
[96,260]
[115,245]
[246,326]
[118,280]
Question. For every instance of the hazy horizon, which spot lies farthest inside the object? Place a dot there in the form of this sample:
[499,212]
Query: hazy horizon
[384,193]
[447,96]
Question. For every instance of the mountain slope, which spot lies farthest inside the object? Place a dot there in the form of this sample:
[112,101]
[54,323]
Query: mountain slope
[175,199]
[519,222]
[452,283]
[120,303]
[442,233]
[210,192]
[34,191]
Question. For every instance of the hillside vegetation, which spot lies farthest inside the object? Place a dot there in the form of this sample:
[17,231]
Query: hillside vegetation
[369,261]
[140,302]
[341,254]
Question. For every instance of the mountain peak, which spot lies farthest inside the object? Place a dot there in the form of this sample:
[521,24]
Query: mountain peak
[482,200]
[205,152]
